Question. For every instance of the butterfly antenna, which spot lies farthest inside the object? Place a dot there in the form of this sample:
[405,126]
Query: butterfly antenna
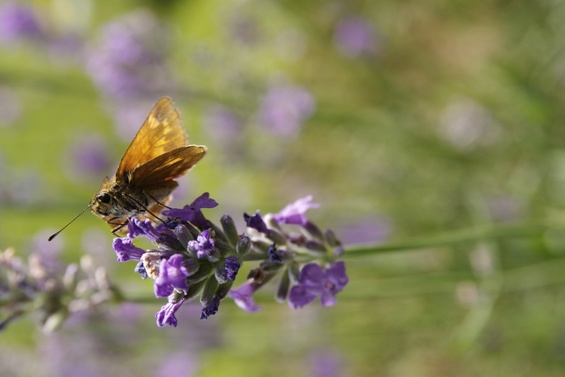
[69,223]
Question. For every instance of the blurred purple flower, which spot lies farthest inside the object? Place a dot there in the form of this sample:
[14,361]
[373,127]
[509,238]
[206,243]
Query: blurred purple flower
[294,213]
[89,156]
[367,230]
[355,36]
[129,59]
[314,281]
[18,22]
[284,108]
[172,275]
[180,363]
[243,296]
[325,363]
[222,125]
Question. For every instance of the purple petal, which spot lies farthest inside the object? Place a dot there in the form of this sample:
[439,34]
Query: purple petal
[243,297]
[166,316]
[126,250]
[294,213]
[190,211]
[172,274]
[300,296]
[137,227]
[311,274]
[255,222]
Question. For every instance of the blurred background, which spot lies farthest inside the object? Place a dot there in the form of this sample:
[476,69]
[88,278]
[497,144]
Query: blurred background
[403,119]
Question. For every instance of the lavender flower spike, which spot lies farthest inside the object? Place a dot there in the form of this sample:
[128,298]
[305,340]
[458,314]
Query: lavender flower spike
[314,281]
[172,274]
[294,213]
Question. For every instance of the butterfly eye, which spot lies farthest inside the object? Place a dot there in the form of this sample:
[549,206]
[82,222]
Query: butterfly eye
[104,198]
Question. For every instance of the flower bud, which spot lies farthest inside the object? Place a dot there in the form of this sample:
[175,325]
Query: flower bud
[243,245]
[209,291]
[229,229]
[313,231]
[283,288]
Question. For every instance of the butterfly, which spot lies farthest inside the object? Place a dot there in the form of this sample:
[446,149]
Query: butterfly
[145,178]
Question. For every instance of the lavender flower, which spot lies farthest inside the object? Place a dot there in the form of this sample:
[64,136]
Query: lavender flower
[314,282]
[18,22]
[204,246]
[294,213]
[129,59]
[172,275]
[166,316]
[192,212]
[41,284]
[89,156]
[223,126]
[284,108]
[231,268]
[355,36]
[126,250]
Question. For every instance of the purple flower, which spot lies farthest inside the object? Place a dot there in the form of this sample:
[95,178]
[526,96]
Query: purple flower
[204,246]
[222,125]
[243,296]
[172,274]
[18,21]
[89,156]
[192,212]
[166,316]
[355,36]
[255,222]
[137,227]
[126,250]
[314,281]
[179,363]
[129,60]
[326,363]
[211,308]
[284,108]
[294,213]
[231,267]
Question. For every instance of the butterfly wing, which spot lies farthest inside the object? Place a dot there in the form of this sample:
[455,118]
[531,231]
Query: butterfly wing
[161,170]
[161,132]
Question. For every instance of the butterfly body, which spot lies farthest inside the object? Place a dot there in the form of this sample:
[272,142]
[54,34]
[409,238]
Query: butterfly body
[145,178]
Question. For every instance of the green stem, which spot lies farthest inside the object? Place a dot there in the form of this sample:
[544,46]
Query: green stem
[448,239]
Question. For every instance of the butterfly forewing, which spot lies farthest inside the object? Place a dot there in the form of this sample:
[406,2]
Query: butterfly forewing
[166,167]
[161,132]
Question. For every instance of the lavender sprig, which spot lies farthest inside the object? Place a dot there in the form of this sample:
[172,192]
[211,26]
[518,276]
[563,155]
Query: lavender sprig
[41,285]
[194,258]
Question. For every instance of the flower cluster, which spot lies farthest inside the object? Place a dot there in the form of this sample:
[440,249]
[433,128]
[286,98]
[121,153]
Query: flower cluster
[195,258]
[41,284]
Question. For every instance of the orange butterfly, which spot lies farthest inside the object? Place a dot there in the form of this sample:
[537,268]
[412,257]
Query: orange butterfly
[145,177]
